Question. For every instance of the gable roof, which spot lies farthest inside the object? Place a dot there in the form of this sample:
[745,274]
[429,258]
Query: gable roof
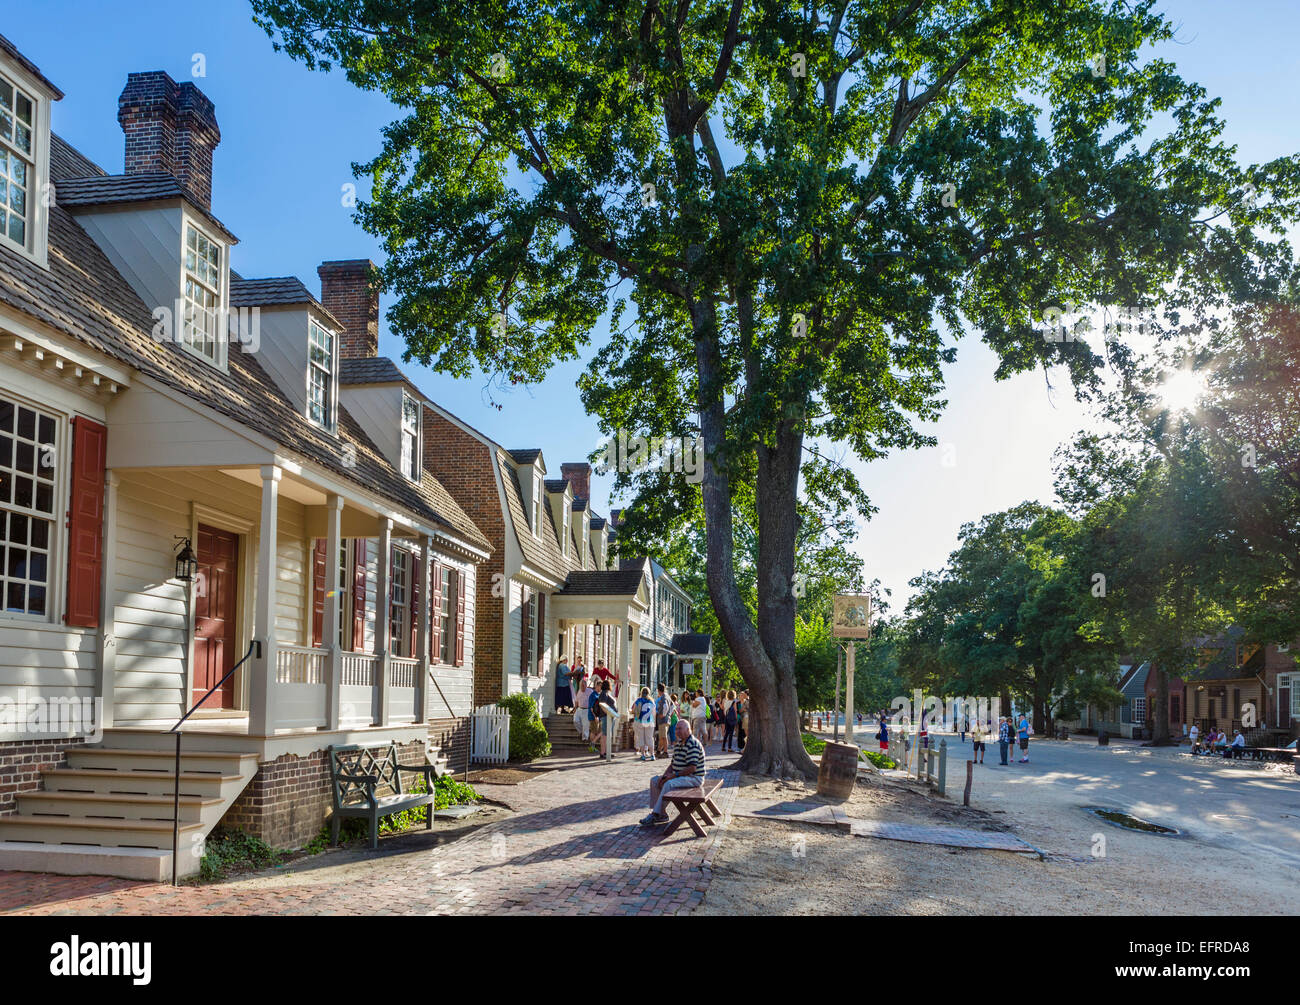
[692,644]
[83,296]
[12,52]
[524,456]
[602,582]
[275,291]
[542,553]
[113,189]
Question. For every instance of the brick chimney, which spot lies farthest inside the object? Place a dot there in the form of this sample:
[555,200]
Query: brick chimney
[170,128]
[346,293]
[579,476]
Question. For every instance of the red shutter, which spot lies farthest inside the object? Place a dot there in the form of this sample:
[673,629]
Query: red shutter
[318,592]
[523,631]
[359,595]
[435,611]
[459,582]
[86,522]
[541,635]
[417,595]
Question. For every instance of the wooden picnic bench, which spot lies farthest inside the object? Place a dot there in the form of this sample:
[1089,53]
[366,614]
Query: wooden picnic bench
[358,774]
[693,806]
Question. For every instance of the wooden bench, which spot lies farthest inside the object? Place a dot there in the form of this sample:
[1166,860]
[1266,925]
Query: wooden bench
[693,806]
[358,774]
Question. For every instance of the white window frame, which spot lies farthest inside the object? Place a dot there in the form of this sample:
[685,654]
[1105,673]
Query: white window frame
[399,612]
[446,615]
[568,526]
[55,546]
[39,194]
[1138,713]
[221,334]
[330,423]
[410,460]
[537,501]
[344,587]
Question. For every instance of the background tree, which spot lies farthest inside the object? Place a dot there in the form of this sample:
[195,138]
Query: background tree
[796,201]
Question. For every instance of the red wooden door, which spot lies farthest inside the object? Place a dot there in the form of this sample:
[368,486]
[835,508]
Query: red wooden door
[214,615]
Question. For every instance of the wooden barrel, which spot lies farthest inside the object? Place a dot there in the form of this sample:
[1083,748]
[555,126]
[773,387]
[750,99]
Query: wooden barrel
[839,770]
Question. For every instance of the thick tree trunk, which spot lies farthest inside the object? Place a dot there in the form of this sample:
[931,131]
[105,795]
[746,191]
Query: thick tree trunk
[764,653]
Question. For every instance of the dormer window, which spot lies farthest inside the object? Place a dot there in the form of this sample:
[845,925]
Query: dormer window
[568,524]
[410,437]
[321,365]
[204,280]
[17,162]
[537,503]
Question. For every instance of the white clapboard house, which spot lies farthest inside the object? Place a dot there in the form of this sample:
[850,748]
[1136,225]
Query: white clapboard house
[177,500]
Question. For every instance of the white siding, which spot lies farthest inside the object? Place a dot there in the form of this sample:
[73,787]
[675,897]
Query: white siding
[144,245]
[283,351]
[150,622]
[378,410]
[457,683]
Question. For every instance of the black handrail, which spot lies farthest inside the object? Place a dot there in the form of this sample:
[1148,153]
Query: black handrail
[176,730]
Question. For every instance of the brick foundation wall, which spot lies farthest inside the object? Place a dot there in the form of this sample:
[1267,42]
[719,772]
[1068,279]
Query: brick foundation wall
[288,801]
[452,737]
[21,763]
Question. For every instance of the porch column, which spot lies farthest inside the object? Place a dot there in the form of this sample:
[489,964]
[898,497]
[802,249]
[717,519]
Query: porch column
[383,617]
[261,714]
[422,628]
[107,627]
[333,608]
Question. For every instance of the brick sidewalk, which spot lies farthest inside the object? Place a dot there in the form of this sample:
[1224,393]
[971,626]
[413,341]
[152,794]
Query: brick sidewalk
[572,846]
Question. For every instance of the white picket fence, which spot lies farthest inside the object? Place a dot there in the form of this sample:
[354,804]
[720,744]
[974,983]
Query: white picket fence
[490,735]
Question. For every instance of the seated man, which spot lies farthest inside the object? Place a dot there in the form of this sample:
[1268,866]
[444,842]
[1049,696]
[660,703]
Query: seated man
[685,772]
[1237,747]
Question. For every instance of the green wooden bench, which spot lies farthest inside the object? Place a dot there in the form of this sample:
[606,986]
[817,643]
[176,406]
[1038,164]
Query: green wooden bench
[359,774]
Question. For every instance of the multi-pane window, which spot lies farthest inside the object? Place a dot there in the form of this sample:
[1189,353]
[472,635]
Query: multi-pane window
[447,615]
[344,587]
[410,438]
[400,604]
[568,529]
[320,375]
[27,472]
[17,162]
[529,641]
[537,503]
[1140,710]
[200,329]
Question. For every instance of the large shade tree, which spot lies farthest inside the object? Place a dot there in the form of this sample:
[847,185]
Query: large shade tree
[793,203]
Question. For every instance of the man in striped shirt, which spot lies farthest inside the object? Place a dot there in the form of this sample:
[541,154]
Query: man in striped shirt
[685,772]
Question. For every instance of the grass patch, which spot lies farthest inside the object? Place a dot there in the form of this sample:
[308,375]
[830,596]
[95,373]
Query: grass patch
[877,758]
[813,744]
[227,851]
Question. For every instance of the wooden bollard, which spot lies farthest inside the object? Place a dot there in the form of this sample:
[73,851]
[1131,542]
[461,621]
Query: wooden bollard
[943,767]
[970,775]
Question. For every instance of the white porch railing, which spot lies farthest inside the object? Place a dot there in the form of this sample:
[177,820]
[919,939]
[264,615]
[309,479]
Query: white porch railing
[490,734]
[405,673]
[299,688]
[358,690]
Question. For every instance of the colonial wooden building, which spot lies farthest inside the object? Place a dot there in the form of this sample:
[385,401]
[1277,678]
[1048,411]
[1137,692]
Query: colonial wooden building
[139,421]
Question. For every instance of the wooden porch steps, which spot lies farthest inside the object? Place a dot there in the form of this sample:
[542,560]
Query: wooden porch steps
[565,738]
[110,812]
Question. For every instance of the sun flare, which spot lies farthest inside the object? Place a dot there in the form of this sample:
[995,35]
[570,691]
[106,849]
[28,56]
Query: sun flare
[1183,390]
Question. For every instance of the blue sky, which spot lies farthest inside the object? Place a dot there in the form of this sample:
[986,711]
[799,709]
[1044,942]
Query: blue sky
[290,136]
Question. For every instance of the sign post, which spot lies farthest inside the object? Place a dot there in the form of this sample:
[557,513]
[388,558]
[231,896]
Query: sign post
[852,621]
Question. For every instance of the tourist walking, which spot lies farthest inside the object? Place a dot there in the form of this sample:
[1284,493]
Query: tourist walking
[1004,737]
[977,743]
[643,720]
[580,702]
[563,687]
[603,721]
[965,728]
[662,706]
[882,735]
[742,720]
[699,717]
[1022,732]
[730,719]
